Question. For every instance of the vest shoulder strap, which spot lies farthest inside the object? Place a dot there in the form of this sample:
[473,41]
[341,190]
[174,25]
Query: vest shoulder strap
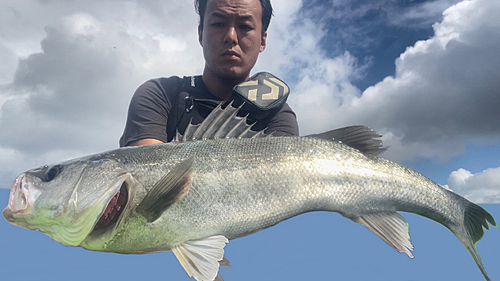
[181,104]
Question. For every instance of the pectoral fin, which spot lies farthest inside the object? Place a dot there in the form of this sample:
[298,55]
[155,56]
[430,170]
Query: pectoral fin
[201,258]
[167,190]
[391,227]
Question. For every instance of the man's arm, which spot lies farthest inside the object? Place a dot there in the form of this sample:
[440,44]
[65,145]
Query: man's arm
[284,123]
[147,115]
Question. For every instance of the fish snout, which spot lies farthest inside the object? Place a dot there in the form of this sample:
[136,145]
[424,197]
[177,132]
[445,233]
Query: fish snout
[21,194]
[7,214]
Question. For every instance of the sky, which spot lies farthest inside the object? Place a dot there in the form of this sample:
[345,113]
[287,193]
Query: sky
[423,73]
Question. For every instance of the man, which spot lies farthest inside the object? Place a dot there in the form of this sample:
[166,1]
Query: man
[232,33]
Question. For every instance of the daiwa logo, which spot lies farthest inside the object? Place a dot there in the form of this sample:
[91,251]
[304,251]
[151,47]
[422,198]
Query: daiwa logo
[262,87]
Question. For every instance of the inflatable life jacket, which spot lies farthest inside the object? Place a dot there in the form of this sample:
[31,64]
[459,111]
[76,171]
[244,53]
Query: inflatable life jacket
[262,96]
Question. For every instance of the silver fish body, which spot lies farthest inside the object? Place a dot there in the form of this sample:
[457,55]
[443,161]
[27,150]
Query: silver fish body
[268,181]
[192,197]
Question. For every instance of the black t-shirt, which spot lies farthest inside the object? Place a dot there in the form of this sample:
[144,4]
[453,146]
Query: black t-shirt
[155,100]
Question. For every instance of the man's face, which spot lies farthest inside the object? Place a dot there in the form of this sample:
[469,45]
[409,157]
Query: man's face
[232,37]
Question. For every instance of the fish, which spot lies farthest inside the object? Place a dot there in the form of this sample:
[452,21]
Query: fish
[221,180]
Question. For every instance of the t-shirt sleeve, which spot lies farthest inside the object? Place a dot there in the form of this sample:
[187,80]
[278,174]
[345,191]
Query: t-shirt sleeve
[284,123]
[147,114]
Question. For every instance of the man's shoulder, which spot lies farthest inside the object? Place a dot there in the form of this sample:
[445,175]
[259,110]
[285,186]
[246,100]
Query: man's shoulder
[165,86]
[163,83]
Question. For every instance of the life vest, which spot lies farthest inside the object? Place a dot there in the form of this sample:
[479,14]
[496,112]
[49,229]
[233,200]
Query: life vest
[261,97]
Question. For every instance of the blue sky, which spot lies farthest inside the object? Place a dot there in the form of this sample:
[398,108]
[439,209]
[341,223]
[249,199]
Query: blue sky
[314,246]
[423,73]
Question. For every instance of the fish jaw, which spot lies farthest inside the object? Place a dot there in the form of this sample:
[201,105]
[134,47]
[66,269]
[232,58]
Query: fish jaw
[74,216]
[23,194]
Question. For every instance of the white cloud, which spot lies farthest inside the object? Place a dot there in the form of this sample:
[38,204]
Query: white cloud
[482,187]
[419,14]
[320,82]
[69,95]
[8,65]
[71,68]
[444,93]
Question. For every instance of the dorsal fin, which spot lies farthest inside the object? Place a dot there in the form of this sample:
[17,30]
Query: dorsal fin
[220,123]
[359,137]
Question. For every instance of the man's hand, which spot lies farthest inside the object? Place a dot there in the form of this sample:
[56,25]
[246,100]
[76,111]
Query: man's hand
[145,142]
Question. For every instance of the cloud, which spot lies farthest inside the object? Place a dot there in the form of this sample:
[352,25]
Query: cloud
[443,95]
[58,92]
[70,71]
[317,77]
[362,26]
[68,96]
[9,62]
[417,14]
[482,187]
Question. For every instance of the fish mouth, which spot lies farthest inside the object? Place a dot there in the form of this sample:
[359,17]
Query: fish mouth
[113,211]
[22,196]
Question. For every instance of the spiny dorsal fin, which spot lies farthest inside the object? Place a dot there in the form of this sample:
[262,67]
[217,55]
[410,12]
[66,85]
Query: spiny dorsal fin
[220,123]
[358,137]
[168,190]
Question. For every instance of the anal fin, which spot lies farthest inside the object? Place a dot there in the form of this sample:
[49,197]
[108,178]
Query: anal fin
[201,258]
[224,262]
[391,227]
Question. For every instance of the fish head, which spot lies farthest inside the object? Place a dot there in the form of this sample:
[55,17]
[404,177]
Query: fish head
[68,201]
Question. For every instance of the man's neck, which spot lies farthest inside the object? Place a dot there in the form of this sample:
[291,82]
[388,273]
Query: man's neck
[221,88]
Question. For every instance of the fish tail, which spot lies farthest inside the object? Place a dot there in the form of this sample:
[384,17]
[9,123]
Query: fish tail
[475,218]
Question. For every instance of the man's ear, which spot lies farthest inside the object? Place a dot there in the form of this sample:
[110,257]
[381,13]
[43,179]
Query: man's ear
[263,42]
[200,34]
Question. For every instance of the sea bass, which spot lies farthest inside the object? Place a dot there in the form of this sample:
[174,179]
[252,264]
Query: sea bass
[221,181]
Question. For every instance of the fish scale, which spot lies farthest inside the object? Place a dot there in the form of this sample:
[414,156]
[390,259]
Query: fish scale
[264,191]
[191,197]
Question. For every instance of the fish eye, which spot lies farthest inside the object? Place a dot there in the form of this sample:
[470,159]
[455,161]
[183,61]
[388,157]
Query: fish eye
[53,172]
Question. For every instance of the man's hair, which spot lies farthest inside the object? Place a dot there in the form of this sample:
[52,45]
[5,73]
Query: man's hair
[267,12]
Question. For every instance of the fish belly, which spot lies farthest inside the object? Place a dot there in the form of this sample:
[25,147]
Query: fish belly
[242,187]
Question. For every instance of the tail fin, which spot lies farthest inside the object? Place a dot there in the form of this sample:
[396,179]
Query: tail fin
[475,217]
